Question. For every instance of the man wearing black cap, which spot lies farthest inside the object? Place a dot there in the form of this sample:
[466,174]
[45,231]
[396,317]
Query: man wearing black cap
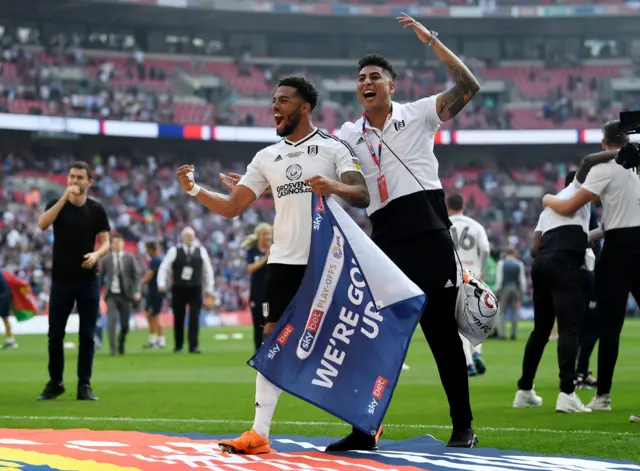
[616,273]
[559,245]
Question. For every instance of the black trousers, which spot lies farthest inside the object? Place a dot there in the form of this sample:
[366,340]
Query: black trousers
[429,261]
[590,326]
[557,294]
[616,276]
[183,296]
[63,296]
[258,322]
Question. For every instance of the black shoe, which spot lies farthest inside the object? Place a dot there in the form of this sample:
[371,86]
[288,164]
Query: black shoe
[51,391]
[463,438]
[85,393]
[177,350]
[356,440]
[195,350]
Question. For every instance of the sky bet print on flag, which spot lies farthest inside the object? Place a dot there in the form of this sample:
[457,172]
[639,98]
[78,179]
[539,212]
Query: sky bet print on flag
[341,343]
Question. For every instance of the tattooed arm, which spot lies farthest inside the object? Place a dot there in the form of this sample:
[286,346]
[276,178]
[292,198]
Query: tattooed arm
[352,188]
[449,102]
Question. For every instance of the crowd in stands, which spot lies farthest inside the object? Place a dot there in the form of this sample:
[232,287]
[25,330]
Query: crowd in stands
[62,78]
[145,202]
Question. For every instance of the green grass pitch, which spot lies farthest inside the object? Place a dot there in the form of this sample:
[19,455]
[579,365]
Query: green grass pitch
[214,393]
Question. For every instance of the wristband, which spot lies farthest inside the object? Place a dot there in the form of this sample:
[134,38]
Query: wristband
[195,189]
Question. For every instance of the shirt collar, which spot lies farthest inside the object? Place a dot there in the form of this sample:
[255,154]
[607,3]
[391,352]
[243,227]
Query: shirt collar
[304,139]
[396,115]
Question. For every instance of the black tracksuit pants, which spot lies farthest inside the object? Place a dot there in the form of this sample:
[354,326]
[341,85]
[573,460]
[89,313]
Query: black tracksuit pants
[557,294]
[616,275]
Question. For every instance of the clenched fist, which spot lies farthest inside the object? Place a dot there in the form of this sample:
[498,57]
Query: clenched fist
[185,174]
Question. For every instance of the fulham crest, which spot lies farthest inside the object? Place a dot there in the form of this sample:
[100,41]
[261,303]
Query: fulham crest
[312,151]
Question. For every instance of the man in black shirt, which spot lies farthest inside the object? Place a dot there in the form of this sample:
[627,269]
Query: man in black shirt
[76,220]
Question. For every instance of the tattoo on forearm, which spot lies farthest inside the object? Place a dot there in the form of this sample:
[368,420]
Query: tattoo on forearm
[466,86]
[360,199]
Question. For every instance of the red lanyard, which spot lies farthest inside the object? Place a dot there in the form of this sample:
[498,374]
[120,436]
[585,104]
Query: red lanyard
[377,159]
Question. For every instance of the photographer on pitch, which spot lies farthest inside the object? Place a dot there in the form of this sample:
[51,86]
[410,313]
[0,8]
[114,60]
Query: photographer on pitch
[616,273]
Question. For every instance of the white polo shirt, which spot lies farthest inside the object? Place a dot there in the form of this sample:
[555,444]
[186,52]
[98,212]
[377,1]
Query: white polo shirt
[619,191]
[284,166]
[549,219]
[410,133]
[471,242]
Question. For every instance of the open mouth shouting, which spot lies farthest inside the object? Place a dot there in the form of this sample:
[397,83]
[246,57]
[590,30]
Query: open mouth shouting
[369,95]
[279,119]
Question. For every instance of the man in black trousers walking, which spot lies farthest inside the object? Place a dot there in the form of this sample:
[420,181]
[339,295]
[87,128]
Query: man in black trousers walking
[77,220]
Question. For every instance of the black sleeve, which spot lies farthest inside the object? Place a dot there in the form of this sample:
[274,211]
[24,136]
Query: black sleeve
[101,219]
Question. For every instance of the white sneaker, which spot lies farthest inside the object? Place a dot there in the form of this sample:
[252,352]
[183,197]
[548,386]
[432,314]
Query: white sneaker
[570,403]
[600,402]
[527,399]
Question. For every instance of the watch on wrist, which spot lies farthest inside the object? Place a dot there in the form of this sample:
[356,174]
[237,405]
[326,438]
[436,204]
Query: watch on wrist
[434,35]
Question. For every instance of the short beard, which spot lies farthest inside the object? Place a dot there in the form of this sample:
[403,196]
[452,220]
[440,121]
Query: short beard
[289,128]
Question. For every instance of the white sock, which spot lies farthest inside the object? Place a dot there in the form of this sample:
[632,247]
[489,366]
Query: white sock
[266,400]
[478,349]
[153,338]
[466,346]
[162,341]
[10,340]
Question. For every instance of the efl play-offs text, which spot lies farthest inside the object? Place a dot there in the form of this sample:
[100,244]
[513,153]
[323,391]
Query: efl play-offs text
[366,324]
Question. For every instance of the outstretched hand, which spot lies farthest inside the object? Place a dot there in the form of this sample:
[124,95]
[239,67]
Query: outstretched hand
[423,33]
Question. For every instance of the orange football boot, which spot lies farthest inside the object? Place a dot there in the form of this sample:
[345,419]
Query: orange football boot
[249,443]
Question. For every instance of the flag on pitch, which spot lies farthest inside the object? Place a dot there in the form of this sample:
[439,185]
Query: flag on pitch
[342,340]
[23,304]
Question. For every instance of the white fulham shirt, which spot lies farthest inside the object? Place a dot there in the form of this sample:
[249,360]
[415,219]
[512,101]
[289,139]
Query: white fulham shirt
[471,242]
[619,191]
[410,133]
[549,219]
[284,166]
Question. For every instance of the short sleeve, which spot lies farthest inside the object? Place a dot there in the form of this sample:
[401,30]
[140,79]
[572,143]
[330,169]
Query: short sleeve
[102,221]
[426,108]
[254,179]
[251,255]
[597,179]
[539,225]
[484,240]
[345,159]
[155,264]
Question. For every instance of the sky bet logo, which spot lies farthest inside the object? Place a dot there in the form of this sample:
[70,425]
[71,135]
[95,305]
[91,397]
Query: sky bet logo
[284,335]
[378,390]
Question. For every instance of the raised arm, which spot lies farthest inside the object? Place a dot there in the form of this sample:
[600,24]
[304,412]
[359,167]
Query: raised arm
[451,101]
[228,206]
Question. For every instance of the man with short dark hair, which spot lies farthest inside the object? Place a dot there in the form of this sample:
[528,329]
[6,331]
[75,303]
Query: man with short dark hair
[305,160]
[394,143]
[77,220]
[472,243]
[558,246]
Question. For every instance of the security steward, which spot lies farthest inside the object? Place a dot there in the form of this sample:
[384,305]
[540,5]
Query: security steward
[77,220]
[190,265]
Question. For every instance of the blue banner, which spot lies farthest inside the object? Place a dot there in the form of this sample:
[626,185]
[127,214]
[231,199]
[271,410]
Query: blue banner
[341,343]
